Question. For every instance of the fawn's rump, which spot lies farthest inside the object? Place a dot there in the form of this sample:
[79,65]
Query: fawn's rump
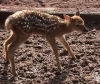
[8,25]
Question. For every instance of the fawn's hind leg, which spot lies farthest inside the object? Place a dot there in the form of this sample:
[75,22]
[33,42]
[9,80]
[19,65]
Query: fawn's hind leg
[6,43]
[20,38]
[51,40]
[66,45]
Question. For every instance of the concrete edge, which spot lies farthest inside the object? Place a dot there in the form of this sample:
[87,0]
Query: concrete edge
[93,16]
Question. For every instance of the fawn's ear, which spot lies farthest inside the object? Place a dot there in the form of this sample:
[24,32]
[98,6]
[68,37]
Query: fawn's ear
[67,17]
[77,13]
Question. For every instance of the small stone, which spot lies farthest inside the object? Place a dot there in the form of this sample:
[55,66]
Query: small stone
[75,81]
[38,47]
[91,66]
[73,65]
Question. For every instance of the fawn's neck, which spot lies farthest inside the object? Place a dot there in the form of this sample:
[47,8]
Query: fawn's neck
[64,28]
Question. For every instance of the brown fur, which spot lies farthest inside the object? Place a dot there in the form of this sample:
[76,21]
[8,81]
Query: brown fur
[18,36]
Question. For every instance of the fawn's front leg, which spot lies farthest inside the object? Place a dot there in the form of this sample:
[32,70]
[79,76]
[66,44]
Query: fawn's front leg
[66,45]
[51,40]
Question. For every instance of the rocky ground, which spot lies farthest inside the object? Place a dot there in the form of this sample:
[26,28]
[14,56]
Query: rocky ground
[35,62]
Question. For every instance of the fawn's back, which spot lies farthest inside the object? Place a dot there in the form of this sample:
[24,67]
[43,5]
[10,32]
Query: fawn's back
[30,21]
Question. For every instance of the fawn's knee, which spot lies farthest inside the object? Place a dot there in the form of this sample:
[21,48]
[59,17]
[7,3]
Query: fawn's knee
[10,49]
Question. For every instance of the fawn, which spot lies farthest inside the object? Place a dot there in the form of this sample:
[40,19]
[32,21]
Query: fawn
[23,24]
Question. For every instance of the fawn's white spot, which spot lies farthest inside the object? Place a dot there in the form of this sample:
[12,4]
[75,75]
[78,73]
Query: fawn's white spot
[21,22]
[23,17]
[18,21]
[25,23]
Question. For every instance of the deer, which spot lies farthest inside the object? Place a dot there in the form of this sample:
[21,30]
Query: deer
[22,24]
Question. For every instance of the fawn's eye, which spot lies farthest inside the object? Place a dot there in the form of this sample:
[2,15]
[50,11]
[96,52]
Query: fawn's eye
[78,25]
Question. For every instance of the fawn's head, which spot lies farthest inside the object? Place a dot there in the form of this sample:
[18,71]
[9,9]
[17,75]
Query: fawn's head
[76,22]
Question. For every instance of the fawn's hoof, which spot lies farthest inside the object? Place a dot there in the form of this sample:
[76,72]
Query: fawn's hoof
[6,63]
[60,68]
[74,57]
[6,60]
[15,74]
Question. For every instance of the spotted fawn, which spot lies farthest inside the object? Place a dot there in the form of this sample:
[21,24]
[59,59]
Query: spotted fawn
[23,24]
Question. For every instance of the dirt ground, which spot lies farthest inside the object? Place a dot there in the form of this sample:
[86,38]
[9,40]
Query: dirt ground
[34,60]
[66,5]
